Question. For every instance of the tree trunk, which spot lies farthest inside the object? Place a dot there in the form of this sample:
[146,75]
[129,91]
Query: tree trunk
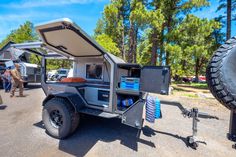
[162,49]
[154,48]
[123,44]
[197,70]
[168,31]
[131,43]
[229,10]
[135,45]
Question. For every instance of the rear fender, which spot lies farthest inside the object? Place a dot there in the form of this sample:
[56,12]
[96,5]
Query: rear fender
[74,99]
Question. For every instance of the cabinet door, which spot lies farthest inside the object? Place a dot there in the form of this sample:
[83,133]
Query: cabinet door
[155,79]
[134,115]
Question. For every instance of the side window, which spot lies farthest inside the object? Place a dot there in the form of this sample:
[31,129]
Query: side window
[94,71]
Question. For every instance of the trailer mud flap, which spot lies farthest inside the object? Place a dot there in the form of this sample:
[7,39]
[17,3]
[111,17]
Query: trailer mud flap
[134,115]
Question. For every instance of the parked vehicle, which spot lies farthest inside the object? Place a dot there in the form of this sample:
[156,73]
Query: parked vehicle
[51,74]
[201,79]
[187,79]
[70,73]
[61,74]
[31,73]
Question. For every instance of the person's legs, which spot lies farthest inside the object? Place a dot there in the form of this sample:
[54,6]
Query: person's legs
[4,85]
[21,87]
[13,88]
[8,87]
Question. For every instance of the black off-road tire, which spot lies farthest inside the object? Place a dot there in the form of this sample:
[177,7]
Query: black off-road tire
[221,74]
[69,117]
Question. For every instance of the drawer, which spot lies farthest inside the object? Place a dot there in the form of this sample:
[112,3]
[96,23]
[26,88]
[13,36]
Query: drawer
[103,95]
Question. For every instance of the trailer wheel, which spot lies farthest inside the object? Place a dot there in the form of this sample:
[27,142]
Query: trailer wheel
[221,74]
[59,118]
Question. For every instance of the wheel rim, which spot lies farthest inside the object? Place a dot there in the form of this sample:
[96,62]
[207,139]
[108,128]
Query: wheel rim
[56,119]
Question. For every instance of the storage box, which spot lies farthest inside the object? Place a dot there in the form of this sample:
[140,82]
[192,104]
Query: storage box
[97,96]
[130,83]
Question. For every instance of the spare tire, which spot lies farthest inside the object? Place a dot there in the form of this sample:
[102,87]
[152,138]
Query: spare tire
[221,74]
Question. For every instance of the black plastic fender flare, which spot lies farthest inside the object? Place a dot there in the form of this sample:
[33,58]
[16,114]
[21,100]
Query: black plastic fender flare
[74,99]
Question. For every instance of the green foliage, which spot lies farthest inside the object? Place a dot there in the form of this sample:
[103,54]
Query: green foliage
[108,44]
[227,16]
[169,32]
[194,37]
[100,27]
[22,34]
[144,50]
[54,64]
[199,85]
[176,58]
[223,6]
[156,32]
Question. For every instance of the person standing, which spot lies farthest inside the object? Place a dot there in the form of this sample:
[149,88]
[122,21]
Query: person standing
[7,81]
[16,81]
[3,80]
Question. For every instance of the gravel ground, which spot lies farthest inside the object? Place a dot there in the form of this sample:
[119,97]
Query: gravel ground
[22,133]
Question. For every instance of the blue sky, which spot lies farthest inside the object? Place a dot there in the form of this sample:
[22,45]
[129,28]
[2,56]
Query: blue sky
[84,12]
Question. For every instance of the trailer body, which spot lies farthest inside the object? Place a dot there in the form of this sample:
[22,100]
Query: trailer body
[108,90]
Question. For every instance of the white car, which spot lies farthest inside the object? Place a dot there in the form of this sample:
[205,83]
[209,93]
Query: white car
[51,74]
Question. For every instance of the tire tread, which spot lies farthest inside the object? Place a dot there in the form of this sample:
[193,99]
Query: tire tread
[214,76]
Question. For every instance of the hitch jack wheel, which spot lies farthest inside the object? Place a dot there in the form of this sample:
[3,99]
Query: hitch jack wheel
[191,142]
[59,118]
[234,146]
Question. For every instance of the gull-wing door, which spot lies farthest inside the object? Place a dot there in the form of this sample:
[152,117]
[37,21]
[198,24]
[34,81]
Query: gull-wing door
[65,37]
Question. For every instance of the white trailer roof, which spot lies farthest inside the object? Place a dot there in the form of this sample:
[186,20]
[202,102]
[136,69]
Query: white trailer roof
[30,65]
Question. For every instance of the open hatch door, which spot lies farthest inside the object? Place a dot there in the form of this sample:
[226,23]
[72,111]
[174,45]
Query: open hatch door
[65,37]
[155,79]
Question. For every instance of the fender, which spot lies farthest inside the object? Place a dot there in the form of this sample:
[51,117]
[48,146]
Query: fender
[74,99]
